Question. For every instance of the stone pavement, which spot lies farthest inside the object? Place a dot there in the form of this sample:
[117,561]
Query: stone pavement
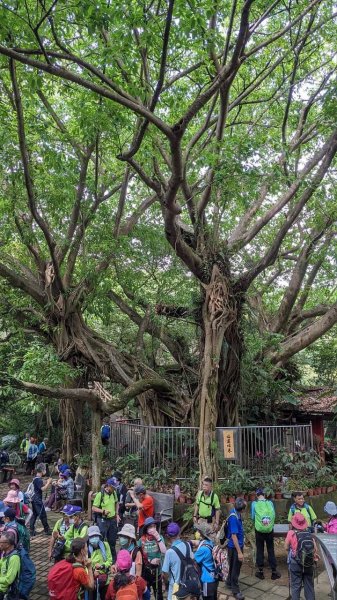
[253,588]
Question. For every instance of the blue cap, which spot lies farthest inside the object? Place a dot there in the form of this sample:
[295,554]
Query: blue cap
[112,481]
[72,510]
[149,521]
[260,492]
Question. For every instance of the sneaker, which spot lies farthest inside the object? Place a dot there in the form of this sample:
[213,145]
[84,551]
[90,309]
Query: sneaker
[259,574]
[275,575]
[47,509]
[239,596]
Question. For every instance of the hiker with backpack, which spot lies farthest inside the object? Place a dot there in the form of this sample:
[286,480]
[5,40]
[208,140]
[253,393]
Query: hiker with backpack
[56,549]
[300,506]
[236,538]
[131,511]
[263,517]
[72,574]
[121,491]
[302,556]
[14,484]
[153,548]
[62,489]
[179,566]
[125,586]
[16,528]
[330,509]
[9,564]
[188,591]
[127,541]
[204,558]
[207,505]
[105,432]
[105,507]
[78,527]
[25,444]
[34,493]
[101,561]
[22,511]
[31,456]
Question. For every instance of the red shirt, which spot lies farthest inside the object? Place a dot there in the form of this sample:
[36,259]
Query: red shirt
[146,511]
[140,585]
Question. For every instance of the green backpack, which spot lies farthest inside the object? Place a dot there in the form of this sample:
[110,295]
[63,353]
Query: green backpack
[264,516]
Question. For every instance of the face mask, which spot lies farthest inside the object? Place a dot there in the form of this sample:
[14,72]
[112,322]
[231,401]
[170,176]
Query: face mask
[94,541]
[123,541]
[71,521]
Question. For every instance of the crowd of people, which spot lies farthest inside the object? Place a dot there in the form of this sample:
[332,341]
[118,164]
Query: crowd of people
[123,553]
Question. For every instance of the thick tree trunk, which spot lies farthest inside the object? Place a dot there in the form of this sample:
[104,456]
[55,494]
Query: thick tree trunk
[96,423]
[218,313]
[71,412]
[230,375]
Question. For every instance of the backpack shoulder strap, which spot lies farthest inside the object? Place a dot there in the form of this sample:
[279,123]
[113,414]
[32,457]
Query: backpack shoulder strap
[82,526]
[180,554]
[212,498]
[292,508]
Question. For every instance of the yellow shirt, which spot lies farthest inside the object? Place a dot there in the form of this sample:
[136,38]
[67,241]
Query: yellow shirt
[107,502]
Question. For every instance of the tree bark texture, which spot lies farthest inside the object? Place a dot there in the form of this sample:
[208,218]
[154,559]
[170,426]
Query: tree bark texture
[96,423]
[219,312]
[71,413]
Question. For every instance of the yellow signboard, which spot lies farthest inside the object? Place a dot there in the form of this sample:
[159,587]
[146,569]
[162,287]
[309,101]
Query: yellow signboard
[228,444]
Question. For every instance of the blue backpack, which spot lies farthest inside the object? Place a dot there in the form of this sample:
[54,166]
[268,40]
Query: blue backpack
[105,432]
[24,583]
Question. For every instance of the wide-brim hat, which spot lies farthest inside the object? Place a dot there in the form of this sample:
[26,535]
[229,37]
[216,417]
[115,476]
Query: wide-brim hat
[12,497]
[148,522]
[205,529]
[93,531]
[299,522]
[330,508]
[129,531]
[15,482]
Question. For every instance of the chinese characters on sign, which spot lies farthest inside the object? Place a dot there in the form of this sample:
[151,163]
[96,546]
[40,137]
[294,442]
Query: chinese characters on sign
[228,443]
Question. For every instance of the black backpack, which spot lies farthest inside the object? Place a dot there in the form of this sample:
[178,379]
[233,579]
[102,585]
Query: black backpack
[305,554]
[188,570]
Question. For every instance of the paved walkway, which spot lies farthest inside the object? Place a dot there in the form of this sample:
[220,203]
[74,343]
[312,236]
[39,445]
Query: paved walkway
[252,588]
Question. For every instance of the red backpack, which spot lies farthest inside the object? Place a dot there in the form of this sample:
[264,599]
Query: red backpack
[61,582]
[128,592]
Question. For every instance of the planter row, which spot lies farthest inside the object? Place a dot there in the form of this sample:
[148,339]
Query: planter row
[184,499]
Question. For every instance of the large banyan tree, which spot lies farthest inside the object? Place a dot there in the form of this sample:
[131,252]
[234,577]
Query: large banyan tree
[200,136]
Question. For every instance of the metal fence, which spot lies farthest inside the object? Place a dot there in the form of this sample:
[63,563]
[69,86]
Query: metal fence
[176,448]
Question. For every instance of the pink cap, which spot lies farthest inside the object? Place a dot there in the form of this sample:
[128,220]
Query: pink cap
[124,560]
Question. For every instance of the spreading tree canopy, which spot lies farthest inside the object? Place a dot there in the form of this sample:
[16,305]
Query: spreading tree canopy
[169,160]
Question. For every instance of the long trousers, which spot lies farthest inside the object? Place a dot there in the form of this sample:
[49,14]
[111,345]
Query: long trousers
[155,582]
[38,512]
[298,577]
[108,529]
[261,539]
[234,570]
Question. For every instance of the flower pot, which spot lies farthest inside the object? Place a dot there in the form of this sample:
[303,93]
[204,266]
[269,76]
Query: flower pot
[278,495]
[323,490]
[318,491]
[329,489]
[252,496]
[310,492]
[182,499]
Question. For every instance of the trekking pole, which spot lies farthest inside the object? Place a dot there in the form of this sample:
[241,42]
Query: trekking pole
[97,589]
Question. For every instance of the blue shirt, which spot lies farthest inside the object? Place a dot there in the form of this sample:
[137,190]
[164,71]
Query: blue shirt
[171,564]
[204,557]
[42,447]
[235,526]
